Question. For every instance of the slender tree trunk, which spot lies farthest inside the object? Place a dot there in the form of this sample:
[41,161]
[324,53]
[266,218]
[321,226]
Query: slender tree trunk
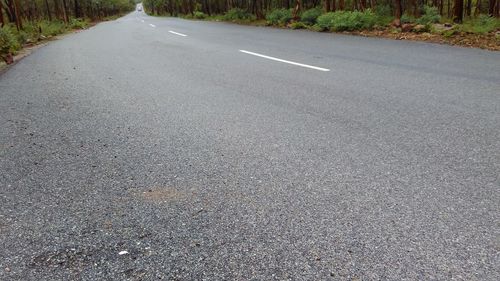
[47,7]
[491,7]
[258,9]
[397,12]
[468,9]
[341,5]
[296,10]
[19,24]
[65,11]
[458,14]
[362,4]
[77,9]
[478,8]
[449,8]
[2,21]
[327,6]
[334,6]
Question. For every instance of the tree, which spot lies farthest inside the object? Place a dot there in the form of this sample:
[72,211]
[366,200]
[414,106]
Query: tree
[458,11]
[397,12]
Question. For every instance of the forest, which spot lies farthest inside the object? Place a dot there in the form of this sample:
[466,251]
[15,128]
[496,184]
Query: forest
[29,21]
[456,10]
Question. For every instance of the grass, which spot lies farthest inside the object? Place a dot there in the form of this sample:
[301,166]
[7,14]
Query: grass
[481,25]
[12,40]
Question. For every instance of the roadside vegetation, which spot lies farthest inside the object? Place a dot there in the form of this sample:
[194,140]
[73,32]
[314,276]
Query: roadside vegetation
[27,22]
[463,22]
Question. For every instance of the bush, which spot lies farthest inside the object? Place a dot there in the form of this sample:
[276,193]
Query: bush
[78,24]
[298,25]
[199,15]
[8,41]
[431,15]
[406,18]
[347,20]
[310,16]
[279,16]
[52,28]
[383,10]
[237,14]
[483,24]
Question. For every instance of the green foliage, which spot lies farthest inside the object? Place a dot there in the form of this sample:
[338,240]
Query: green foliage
[8,41]
[407,18]
[279,16]
[310,16]
[449,33]
[383,10]
[420,28]
[52,28]
[298,25]
[431,15]
[347,20]
[199,15]
[30,33]
[483,24]
[383,15]
[78,23]
[237,14]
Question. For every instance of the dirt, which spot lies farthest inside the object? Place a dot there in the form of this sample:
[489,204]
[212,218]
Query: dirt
[161,195]
[484,41]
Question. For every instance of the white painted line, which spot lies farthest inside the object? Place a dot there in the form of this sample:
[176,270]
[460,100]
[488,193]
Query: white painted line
[285,61]
[177,33]
[142,20]
[152,25]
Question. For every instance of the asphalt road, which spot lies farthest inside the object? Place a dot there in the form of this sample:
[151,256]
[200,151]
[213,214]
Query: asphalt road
[129,152]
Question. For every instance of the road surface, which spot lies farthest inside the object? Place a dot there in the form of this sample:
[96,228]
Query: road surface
[158,148]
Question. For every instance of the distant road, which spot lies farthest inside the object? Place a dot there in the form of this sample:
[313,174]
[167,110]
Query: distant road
[158,148]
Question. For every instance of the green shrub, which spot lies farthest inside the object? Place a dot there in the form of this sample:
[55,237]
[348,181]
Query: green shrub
[279,16]
[298,25]
[406,18]
[237,14]
[199,15]
[8,41]
[78,23]
[347,20]
[52,28]
[310,16]
[383,10]
[431,15]
[483,24]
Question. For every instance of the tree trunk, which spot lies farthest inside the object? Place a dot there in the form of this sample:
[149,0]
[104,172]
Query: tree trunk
[491,8]
[458,11]
[341,4]
[257,8]
[77,9]
[19,24]
[65,11]
[362,4]
[397,12]
[478,8]
[296,10]
[47,7]
[468,9]
[334,8]
[2,21]
[327,6]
